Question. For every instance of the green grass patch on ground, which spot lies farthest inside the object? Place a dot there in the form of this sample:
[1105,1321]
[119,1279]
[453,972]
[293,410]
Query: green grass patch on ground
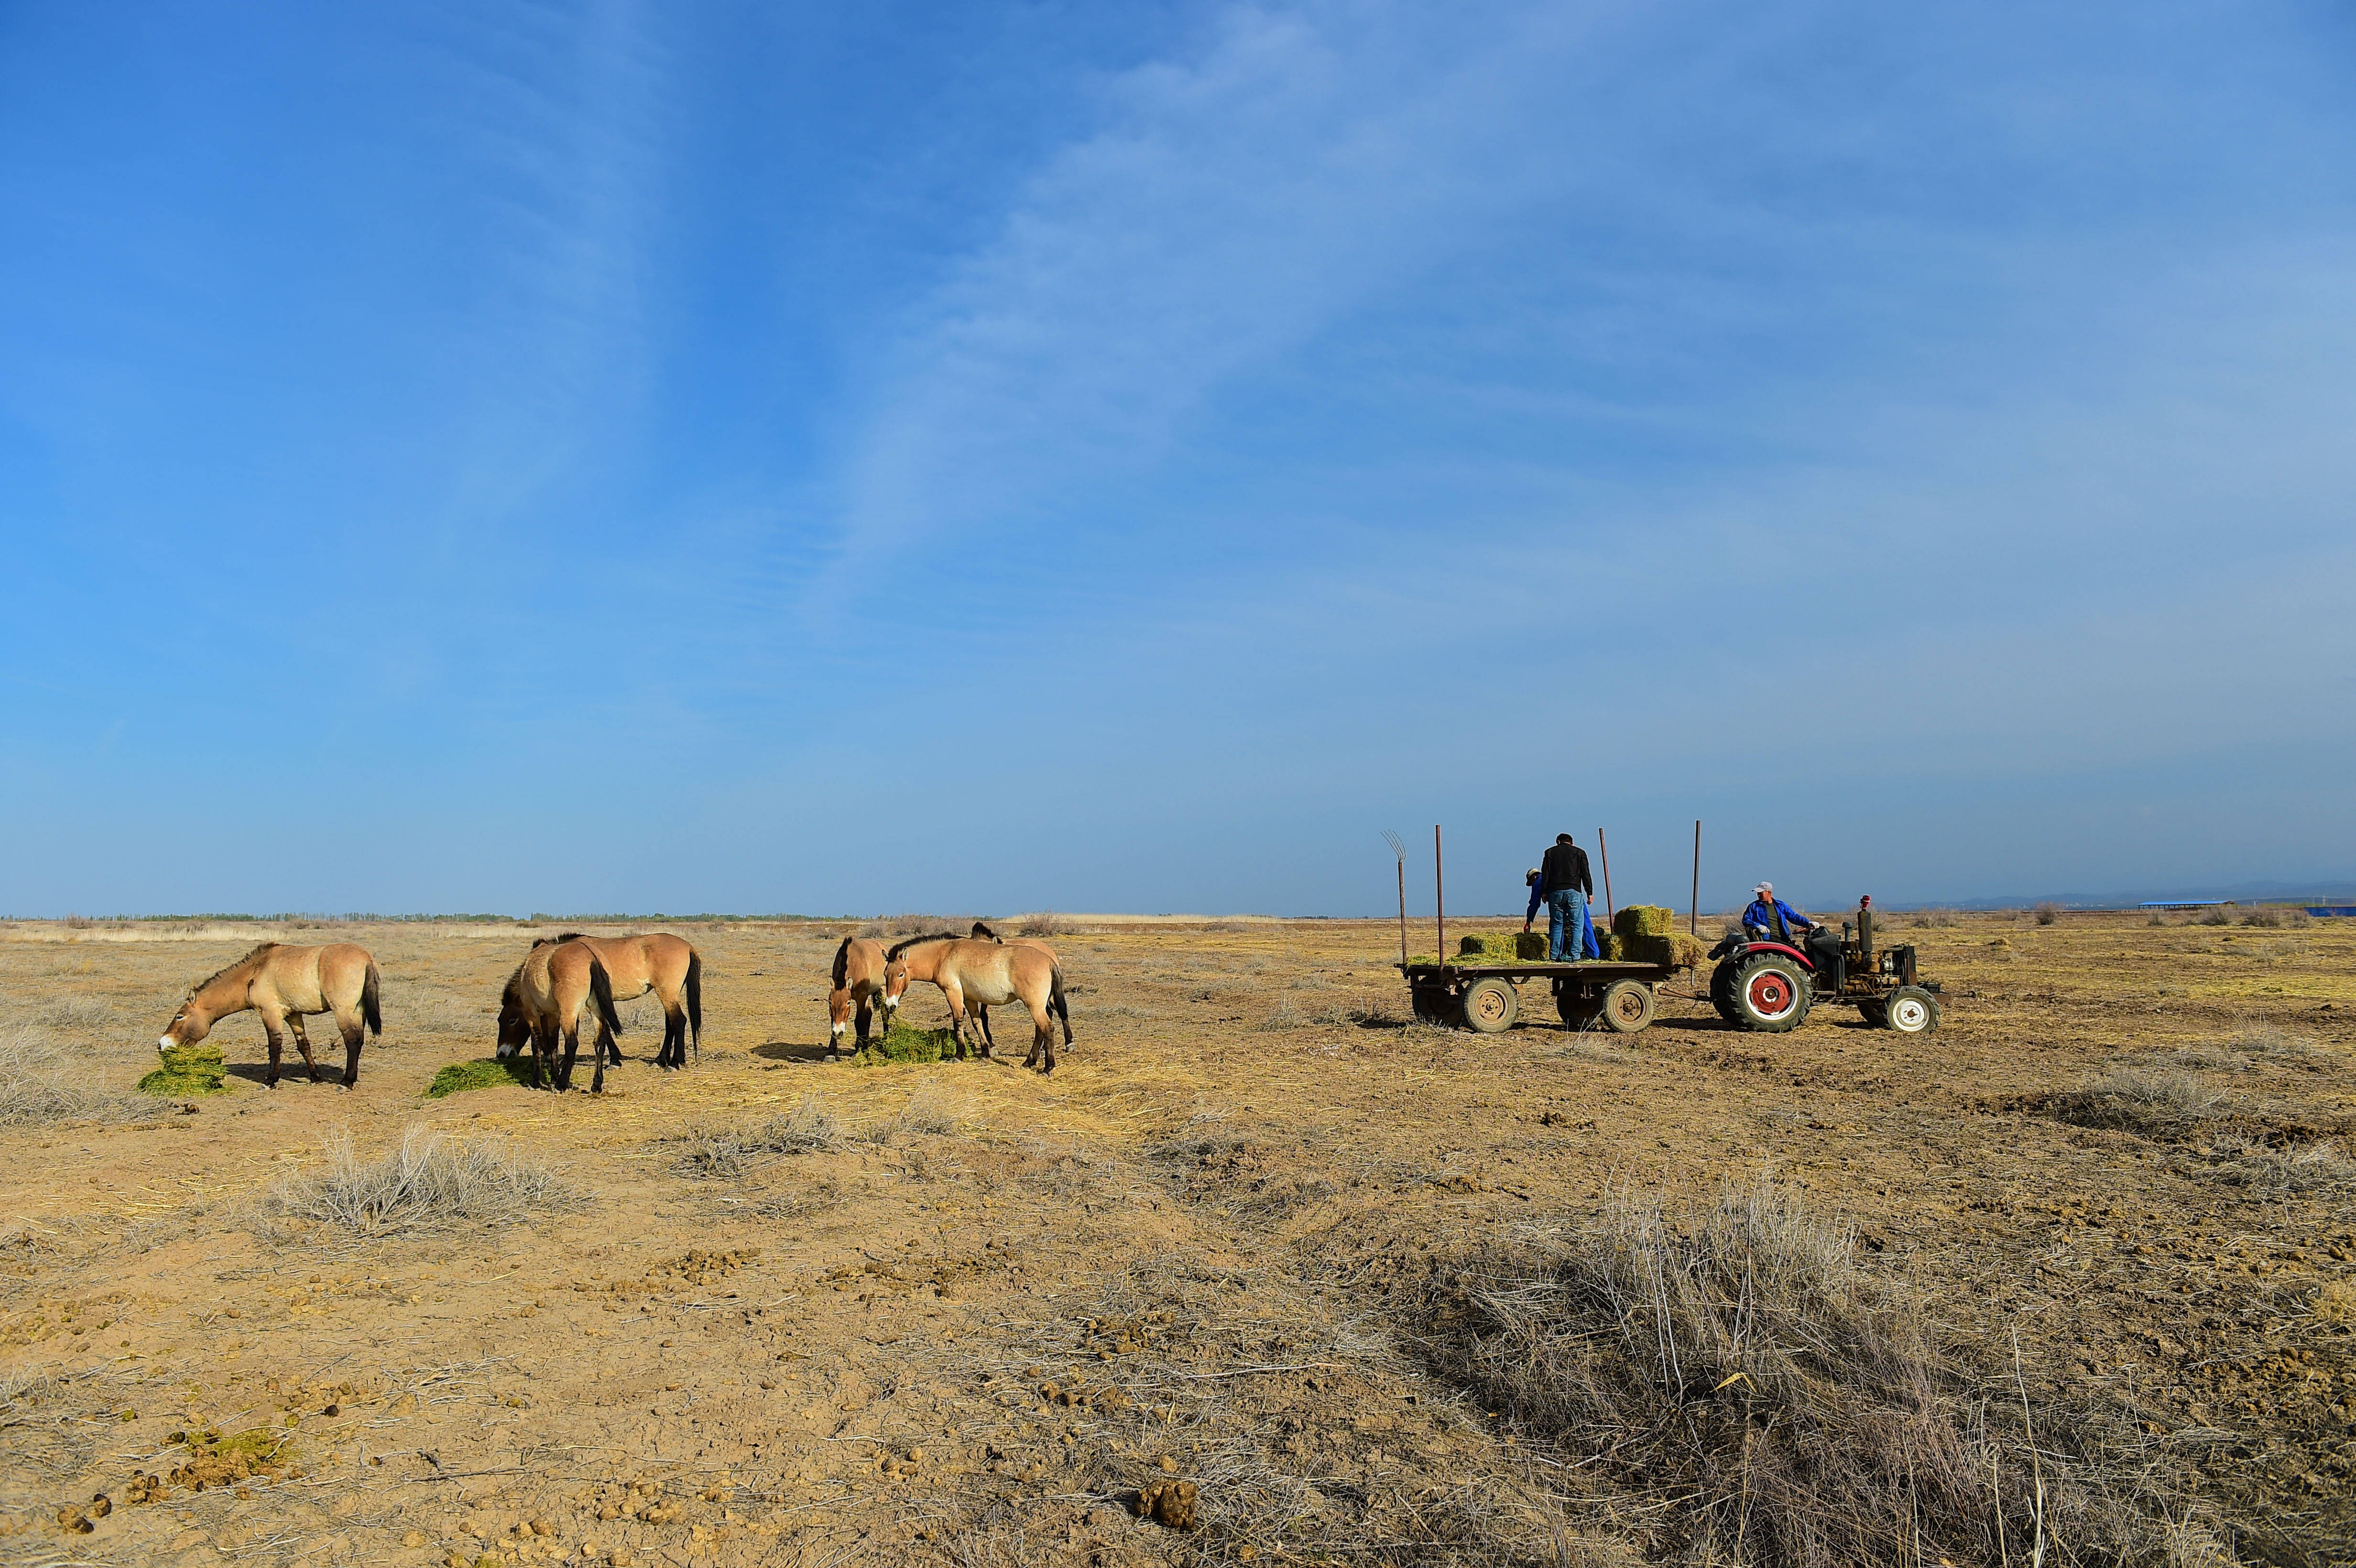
[901,1044]
[189,1070]
[488,1074]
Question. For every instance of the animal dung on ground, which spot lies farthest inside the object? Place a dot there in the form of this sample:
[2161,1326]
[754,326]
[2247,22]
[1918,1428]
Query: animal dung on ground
[1168,1503]
[189,1070]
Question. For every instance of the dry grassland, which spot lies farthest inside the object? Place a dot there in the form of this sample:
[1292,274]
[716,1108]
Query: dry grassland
[1261,1274]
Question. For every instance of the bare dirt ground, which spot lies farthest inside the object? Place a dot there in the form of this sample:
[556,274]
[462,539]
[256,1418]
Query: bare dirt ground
[1224,1261]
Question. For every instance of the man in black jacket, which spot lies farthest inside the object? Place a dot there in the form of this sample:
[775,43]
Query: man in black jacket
[1563,879]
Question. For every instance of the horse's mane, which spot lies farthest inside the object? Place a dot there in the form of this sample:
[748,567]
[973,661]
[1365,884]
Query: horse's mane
[984,934]
[842,961]
[897,948]
[507,997]
[227,968]
[572,936]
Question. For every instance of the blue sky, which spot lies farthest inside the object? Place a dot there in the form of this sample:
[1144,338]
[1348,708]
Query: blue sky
[889,457]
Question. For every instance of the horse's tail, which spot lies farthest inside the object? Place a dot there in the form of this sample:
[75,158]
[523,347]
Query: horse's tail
[842,964]
[372,1001]
[695,995]
[1062,1008]
[601,991]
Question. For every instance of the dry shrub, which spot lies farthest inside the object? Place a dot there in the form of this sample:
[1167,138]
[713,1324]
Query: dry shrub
[2047,912]
[931,1109]
[2236,1159]
[1734,1367]
[808,1128]
[41,1081]
[2218,916]
[2140,1100]
[429,1182]
[1043,923]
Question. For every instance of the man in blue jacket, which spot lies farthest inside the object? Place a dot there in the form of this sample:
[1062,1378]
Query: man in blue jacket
[1769,918]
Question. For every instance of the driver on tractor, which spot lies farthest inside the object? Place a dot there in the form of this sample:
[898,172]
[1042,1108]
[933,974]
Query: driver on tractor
[1770,918]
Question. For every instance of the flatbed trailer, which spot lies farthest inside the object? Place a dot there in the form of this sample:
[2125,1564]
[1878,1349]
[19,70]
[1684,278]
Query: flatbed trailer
[1484,994]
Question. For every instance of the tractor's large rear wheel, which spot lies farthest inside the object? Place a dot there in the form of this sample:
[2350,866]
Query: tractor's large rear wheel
[1770,993]
[1911,1010]
[1722,990]
[1491,1005]
[1627,1006]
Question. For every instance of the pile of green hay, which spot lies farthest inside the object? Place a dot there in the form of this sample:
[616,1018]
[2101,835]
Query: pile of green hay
[488,1074]
[189,1070]
[1504,947]
[901,1044]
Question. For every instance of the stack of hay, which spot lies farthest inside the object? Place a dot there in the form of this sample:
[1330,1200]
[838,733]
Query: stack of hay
[189,1070]
[1504,947]
[1647,933]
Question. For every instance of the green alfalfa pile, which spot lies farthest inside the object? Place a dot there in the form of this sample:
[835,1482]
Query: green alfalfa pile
[491,1073]
[189,1070]
[902,1044]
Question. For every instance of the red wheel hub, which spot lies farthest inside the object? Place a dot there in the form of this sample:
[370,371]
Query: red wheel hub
[1771,994]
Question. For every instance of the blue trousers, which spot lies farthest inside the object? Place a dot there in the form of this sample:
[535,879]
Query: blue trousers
[1567,918]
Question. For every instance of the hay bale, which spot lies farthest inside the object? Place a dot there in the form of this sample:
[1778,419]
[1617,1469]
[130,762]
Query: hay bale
[1673,947]
[1530,945]
[1494,946]
[189,1070]
[1608,946]
[491,1073]
[1645,920]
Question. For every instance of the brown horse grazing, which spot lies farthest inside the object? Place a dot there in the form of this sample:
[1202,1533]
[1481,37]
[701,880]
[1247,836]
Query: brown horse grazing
[285,985]
[984,973]
[542,1001]
[672,969]
[858,978]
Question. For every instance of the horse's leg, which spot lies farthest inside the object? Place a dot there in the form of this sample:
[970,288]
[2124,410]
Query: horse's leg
[544,1038]
[303,1043]
[866,1017]
[989,1040]
[955,995]
[675,1034]
[271,1027]
[354,1033]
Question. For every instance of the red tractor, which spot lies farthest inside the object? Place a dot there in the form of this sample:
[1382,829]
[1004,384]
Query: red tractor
[1769,986]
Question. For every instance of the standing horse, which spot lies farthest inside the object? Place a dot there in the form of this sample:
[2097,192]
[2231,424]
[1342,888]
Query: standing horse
[858,978]
[284,984]
[672,969]
[542,1001]
[985,973]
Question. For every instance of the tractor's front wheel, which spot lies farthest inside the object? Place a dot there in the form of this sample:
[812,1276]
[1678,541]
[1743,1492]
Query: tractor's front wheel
[1911,1010]
[1770,993]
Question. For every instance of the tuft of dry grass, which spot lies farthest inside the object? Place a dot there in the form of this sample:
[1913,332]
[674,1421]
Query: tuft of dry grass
[808,1128]
[2148,1100]
[2046,913]
[1776,1404]
[42,1081]
[1043,923]
[428,1183]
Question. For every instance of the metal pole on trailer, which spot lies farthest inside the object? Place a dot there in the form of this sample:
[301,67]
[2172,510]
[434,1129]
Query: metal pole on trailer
[1693,921]
[1400,850]
[1439,896]
[1605,850]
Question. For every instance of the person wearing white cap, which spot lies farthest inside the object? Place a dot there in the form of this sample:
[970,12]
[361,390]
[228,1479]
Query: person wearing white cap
[1769,917]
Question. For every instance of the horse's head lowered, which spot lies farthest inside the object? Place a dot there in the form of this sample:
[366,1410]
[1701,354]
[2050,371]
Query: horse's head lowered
[189,1025]
[514,1030]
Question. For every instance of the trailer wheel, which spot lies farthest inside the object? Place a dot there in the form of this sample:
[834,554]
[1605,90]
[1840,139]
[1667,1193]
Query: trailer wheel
[1434,1003]
[1770,993]
[1627,1006]
[1491,1005]
[1912,1011]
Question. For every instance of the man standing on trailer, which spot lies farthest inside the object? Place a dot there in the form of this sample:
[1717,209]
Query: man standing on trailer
[1564,881]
